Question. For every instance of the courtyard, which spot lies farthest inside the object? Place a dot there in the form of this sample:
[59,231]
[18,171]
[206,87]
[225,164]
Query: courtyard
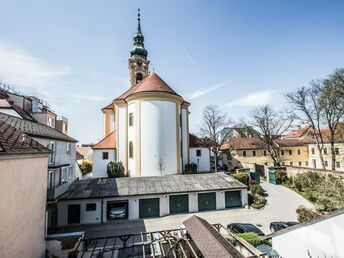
[281,206]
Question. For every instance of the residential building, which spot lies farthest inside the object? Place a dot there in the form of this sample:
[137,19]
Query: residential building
[199,153]
[314,156]
[23,190]
[293,152]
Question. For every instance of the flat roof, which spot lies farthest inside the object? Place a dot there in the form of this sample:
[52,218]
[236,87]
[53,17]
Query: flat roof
[135,186]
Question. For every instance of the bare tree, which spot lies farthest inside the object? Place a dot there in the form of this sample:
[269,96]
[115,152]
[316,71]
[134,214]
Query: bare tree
[332,103]
[272,125]
[213,131]
[309,111]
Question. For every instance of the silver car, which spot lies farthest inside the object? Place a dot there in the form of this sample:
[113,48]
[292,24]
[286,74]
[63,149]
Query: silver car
[118,213]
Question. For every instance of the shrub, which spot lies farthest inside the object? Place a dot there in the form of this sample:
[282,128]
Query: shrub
[257,189]
[191,168]
[242,177]
[298,186]
[304,214]
[281,177]
[86,167]
[251,238]
[258,201]
[115,169]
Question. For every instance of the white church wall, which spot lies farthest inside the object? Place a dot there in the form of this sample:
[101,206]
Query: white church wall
[184,138]
[158,138]
[122,134]
[99,164]
[131,138]
[203,161]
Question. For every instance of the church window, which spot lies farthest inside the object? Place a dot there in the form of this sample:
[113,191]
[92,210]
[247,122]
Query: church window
[138,77]
[131,150]
[131,119]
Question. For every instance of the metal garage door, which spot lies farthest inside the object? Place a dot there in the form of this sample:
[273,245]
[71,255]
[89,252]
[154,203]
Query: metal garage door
[233,199]
[179,203]
[149,208]
[206,201]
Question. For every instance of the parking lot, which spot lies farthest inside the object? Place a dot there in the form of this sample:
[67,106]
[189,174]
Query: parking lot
[281,206]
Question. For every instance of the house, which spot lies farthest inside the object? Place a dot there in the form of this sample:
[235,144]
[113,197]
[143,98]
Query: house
[320,237]
[200,153]
[23,191]
[293,152]
[147,127]
[91,201]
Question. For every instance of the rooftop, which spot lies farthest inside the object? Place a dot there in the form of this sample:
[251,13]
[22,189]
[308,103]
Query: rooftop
[134,186]
[109,142]
[35,129]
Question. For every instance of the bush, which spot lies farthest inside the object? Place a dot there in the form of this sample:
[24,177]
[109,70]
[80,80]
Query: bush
[242,177]
[86,167]
[258,201]
[115,169]
[257,189]
[304,214]
[191,168]
[281,177]
[298,186]
[252,238]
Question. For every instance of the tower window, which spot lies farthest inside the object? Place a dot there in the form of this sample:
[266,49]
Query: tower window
[131,119]
[139,77]
[131,150]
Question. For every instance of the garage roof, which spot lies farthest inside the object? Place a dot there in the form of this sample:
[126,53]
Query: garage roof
[135,186]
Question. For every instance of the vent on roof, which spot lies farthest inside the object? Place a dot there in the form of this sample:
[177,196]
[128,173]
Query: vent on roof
[101,181]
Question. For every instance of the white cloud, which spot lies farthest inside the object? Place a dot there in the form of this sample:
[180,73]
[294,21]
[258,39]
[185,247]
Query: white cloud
[202,92]
[252,99]
[189,56]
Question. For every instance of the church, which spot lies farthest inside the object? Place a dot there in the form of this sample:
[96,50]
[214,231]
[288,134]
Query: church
[147,127]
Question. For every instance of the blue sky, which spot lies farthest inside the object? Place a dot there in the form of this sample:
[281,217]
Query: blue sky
[236,54]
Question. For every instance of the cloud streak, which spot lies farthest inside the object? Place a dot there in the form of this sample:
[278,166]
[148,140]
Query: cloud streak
[252,99]
[198,93]
[189,56]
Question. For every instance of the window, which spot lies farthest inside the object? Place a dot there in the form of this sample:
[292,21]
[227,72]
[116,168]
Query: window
[337,164]
[264,152]
[138,77]
[131,119]
[336,150]
[282,152]
[283,163]
[64,175]
[254,153]
[325,151]
[314,163]
[91,206]
[300,163]
[68,148]
[51,180]
[313,151]
[244,153]
[51,122]
[131,150]
[298,152]
[290,152]
[52,147]
[198,153]
[306,163]
[70,173]
[326,163]
[291,163]
[105,155]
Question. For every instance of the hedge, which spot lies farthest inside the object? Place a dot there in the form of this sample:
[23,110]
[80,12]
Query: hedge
[242,177]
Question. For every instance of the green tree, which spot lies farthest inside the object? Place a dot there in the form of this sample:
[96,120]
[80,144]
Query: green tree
[115,169]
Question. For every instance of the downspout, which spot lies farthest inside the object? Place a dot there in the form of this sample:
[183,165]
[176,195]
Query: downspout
[102,211]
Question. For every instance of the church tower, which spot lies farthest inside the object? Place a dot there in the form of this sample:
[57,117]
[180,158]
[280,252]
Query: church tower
[138,63]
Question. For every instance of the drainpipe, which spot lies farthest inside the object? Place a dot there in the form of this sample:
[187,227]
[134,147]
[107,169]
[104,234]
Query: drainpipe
[102,210]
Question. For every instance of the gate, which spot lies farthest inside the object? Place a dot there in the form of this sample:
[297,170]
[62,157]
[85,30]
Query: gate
[272,177]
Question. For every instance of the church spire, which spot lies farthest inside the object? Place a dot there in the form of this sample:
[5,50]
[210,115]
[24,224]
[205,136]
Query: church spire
[139,49]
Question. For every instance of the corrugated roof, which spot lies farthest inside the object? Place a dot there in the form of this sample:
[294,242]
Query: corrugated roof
[35,129]
[109,142]
[13,141]
[134,186]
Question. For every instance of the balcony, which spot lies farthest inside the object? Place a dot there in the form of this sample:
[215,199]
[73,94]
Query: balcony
[57,191]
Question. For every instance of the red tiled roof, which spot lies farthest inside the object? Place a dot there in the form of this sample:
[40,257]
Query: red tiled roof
[152,83]
[194,141]
[292,142]
[109,142]
[297,133]
[110,106]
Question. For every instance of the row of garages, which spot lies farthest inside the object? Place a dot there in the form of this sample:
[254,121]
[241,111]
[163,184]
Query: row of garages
[86,211]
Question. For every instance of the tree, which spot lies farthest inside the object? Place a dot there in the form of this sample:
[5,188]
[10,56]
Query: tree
[86,167]
[161,163]
[332,103]
[305,101]
[115,169]
[213,130]
[271,125]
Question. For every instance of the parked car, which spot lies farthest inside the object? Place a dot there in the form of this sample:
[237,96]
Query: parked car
[244,228]
[118,213]
[278,225]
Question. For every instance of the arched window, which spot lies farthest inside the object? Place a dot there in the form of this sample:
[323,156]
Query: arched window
[131,119]
[138,77]
[131,150]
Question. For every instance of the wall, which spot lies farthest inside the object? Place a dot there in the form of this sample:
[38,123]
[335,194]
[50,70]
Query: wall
[23,188]
[132,138]
[122,135]
[292,171]
[295,158]
[204,159]
[327,157]
[184,135]
[99,164]
[322,239]
[158,138]
[238,159]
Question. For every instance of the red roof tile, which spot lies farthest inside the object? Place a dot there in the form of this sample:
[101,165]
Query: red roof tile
[109,142]
[297,133]
[194,141]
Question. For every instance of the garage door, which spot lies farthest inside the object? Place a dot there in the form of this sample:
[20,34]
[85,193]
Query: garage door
[206,201]
[179,203]
[233,199]
[149,208]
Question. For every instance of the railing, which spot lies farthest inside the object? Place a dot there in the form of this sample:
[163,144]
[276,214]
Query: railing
[57,191]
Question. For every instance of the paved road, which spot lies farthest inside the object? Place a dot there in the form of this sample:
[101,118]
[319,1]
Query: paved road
[281,205]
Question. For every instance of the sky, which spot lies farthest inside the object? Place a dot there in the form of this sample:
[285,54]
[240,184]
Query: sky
[234,54]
